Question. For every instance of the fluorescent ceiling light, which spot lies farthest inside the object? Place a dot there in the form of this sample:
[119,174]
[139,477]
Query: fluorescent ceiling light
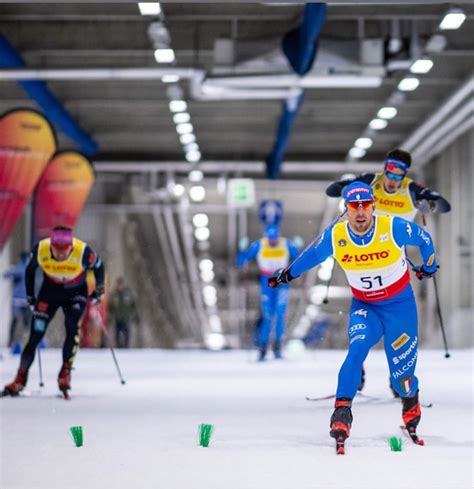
[178,190]
[364,143]
[453,19]
[197,193]
[195,176]
[215,323]
[357,152]
[409,84]
[193,156]
[181,117]
[187,138]
[149,8]
[202,234]
[378,124]
[422,65]
[184,128]
[200,221]
[206,264]
[312,311]
[164,55]
[209,291]
[387,112]
[178,106]
[215,341]
[170,78]
[191,147]
[207,276]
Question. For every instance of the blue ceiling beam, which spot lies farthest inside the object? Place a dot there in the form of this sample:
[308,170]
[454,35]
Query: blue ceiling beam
[300,47]
[52,108]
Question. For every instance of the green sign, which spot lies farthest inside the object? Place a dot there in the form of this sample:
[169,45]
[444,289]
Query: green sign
[241,192]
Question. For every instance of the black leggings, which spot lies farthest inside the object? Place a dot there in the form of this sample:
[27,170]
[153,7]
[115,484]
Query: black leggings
[50,299]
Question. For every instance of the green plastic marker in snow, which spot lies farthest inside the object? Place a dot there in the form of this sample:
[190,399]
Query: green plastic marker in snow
[395,443]
[77,435]
[205,433]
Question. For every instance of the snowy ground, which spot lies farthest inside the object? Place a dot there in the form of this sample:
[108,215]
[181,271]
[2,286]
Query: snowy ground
[143,435]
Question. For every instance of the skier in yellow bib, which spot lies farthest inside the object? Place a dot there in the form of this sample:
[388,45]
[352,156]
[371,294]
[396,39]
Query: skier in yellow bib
[396,194]
[371,251]
[64,261]
[271,252]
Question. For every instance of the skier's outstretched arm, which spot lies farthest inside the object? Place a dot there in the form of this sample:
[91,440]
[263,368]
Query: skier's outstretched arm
[249,254]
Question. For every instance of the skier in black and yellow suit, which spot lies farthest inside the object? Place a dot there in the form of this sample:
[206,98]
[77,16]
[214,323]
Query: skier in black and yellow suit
[64,261]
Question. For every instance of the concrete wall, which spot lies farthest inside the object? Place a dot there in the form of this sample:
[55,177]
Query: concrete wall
[451,173]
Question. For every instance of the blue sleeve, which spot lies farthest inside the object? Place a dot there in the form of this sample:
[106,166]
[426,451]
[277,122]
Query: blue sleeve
[249,254]
[314,255]
[407,233]
[293,250]
[16,273]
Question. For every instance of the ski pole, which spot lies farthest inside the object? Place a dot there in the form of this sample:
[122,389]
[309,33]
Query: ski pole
[438,309]
[106,333]
[326,298]
[315,240]
[41,383]
[438,306]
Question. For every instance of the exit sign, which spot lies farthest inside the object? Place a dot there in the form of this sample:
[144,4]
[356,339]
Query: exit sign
[241,192]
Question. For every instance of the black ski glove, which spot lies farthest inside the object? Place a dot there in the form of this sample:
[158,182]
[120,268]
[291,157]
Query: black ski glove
[421,273]
[96,296]
[281,276]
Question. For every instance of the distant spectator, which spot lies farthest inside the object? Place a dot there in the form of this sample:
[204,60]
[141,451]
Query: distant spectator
[123,310]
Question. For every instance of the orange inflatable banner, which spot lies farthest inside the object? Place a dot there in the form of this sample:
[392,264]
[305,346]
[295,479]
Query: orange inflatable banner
[27,143]
[62,192]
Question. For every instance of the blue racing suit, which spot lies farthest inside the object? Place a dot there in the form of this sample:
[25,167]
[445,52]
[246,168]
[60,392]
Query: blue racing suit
[273,301]
[383,304]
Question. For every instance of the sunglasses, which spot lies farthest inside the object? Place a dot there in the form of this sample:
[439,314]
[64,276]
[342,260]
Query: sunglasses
[394,176]
[61,246]
[365,204]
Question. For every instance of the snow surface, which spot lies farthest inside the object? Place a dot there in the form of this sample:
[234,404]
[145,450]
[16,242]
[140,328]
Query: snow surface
[144,434]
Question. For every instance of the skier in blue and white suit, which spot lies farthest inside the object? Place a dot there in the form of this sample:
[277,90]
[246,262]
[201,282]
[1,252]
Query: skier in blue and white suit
[370,250]
[271,252]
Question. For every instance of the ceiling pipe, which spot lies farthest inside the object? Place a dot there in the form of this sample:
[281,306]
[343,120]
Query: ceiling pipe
[443,130]
[466,90]
[446,141]
[232,167]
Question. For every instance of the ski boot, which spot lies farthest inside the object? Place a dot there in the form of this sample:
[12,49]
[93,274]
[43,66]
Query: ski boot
[18,384]
[262,354]
[64,379]
[277,351]
[411,414]
[341,422]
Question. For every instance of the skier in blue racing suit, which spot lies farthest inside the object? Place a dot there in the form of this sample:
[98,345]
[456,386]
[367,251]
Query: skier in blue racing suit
[271,252]
[370,250]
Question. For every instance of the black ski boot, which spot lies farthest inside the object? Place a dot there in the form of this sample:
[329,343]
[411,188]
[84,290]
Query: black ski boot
[411,414]
[262,353]
[341,422]
[277,350]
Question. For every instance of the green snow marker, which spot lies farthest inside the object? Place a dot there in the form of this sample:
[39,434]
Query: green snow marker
[395,443]
[205,433]
[76,432]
